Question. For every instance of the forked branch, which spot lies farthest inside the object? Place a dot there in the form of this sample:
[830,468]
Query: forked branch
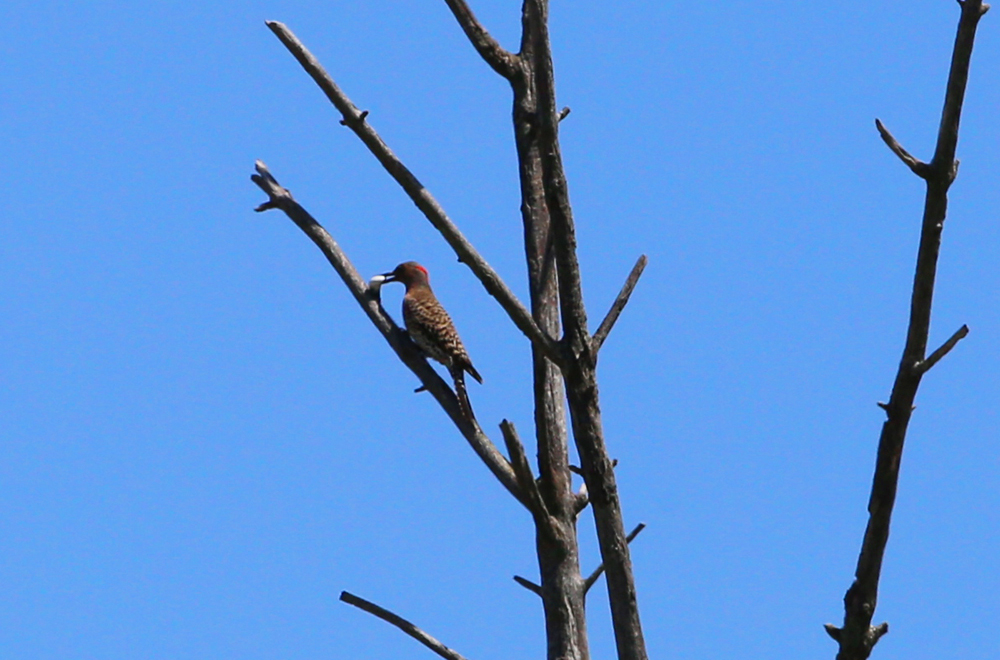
[925,365]
[593,577]
[503,62]
[467,254]
[402,624]
[280,198]
[919,167]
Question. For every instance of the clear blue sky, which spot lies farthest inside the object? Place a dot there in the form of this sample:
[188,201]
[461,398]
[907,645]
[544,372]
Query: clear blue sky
[204,440]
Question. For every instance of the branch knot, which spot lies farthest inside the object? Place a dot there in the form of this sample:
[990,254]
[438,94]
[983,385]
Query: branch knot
[353,122]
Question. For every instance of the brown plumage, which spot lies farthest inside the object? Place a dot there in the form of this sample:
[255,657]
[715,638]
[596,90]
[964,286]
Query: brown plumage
[428,324]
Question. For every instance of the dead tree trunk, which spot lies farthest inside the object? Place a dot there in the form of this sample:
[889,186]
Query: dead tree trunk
[558,557]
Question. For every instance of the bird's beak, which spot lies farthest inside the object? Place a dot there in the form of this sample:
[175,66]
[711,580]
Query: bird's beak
[375,283]
[388,277]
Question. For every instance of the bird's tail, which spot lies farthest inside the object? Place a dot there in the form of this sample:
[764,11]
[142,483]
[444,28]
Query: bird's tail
[463,395]
[472,371]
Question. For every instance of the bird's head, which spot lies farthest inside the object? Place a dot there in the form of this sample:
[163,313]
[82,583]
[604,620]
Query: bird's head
[409,273]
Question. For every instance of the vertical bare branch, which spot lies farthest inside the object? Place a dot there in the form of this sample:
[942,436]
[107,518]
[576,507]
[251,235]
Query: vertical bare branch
[857,637]
[558,552]
[579,368]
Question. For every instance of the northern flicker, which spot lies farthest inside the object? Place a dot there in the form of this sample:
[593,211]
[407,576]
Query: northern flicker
[429,325]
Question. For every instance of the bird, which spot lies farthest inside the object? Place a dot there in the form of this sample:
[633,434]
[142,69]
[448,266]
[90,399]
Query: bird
[429,325]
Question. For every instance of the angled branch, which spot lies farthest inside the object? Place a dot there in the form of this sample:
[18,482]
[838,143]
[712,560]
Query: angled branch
[502,61]
[858,636]
[281,198]
[525,479]
[402,624]
[919,167]
[528,584]
[423,199]
[925,365]
[616,308]
[593,577]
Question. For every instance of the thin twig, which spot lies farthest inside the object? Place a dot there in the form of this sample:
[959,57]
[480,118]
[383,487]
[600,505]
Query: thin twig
[593,577]
[616,308]
[857,637]
[564,113]
[281,198]
[402,624]
[467,254]
[528,584]
[919,167]
[502,61]
[925,365]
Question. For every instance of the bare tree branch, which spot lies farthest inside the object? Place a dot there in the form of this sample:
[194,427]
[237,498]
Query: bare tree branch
[525,479]
[528,584]
[593,577]
[558,554]
[503,62]
[402,624]
[616,308]
[281,198]
[579,368]
[925,365]
[857,637]
[919,167]
[958,77]
[423,199]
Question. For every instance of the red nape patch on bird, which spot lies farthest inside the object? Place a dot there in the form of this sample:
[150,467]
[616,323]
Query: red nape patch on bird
[424,271]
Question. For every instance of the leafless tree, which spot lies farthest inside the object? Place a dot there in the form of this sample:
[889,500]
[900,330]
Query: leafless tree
[564,353]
